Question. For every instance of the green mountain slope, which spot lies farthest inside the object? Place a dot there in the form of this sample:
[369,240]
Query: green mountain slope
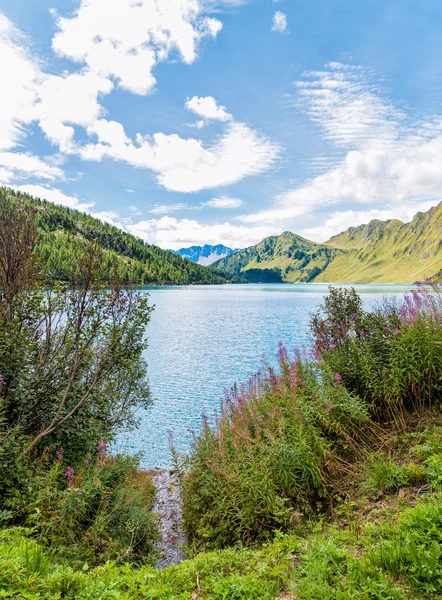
[62,233]
[379,252]
[287,257]
[388,251]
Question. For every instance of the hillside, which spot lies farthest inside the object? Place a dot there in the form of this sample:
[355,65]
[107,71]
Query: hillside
[62,232]
[378,252]
[205,255]
[287,257]
[388,251]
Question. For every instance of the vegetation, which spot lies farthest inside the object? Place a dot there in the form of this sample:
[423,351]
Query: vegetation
[63,234]
[320,479]
[287,257]
[71,373]
[380,252]
[284,444]
[389,251]
[383,548]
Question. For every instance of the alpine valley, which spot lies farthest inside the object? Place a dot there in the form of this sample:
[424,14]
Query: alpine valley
[379,252]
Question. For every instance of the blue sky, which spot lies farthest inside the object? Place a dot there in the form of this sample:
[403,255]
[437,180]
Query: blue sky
[203,121]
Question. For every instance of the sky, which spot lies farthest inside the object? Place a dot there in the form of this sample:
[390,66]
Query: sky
[188,122]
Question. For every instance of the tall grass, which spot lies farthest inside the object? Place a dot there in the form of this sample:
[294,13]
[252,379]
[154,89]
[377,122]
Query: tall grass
[278,448]
[285,442]
[391,356]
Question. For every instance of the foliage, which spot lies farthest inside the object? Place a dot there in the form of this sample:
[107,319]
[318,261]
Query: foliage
[390,356]
[274,456]
[63,233]
[96,511]
[71,358]
[388,561]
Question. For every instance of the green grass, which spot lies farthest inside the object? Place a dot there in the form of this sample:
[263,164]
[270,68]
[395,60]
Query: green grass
[383,547]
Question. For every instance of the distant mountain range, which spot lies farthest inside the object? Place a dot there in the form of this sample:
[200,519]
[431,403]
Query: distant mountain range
[205,255]
[379,252]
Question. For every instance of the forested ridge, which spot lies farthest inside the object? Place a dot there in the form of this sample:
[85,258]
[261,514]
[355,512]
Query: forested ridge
[64,231]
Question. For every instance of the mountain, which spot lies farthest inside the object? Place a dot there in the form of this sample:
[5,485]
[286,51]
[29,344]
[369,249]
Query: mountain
[388,251]
[62,233]
[205,255]
[287,257]
[378,252]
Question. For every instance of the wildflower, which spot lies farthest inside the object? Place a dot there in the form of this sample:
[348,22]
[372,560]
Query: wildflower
[354,316]
[69,473]
[397,331]
[2,381]
[418,283]
[328,407]
[338,378]
[102,448]
[87,464]
[362,336]
[60,455]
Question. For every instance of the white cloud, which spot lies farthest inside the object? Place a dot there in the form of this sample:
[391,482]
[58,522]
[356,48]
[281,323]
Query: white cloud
[169,232]
[197,124]
[185,165]
[279,23]
[54,195]
[164,209]
[62,103]
[22,165]
[125,40]
[69,100]
[223,202]
[383,156]
[18,74]
[208,108]
[129,191]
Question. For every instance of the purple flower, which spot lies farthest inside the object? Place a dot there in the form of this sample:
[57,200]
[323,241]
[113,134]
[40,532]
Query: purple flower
[60,455]
[69,473]
[338,378]
[328,407]
[87,464]
[102,448]
[418,283]
[2,381]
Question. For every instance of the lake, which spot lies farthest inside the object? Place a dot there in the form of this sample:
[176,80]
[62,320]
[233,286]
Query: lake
[204,338]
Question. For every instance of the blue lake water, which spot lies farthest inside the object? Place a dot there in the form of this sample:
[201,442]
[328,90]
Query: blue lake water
[204,338]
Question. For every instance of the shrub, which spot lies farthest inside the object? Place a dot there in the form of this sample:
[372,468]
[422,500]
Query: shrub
[390,356]
[277,451]
[96,511]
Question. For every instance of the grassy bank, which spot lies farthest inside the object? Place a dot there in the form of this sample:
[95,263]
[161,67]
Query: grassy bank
[381,540]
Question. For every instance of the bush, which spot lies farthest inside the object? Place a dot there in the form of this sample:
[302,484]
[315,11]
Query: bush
[390,356]
[99,510]
[275,455]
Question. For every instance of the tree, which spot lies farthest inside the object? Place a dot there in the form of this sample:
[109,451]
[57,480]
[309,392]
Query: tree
[71,356]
